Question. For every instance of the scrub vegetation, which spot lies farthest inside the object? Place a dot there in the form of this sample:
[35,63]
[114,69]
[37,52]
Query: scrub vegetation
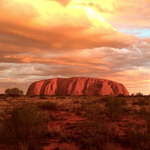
[74,122]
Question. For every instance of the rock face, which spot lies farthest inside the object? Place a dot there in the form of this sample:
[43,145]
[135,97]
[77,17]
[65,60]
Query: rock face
[76,86]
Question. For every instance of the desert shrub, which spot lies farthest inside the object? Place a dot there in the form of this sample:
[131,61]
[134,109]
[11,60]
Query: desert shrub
[53,132]
[139,94]
[42,96]
[52,116]
[67,146]
[114,108]
[61,97]
[2,96]
[49,105]
[25,128]
[76,101]
[132,94]
[97,135]
[136,137]
[33,95]
[143,111]
[2,114]
[64,138]
[121,95]
[13,92]
[140,102]
[94,112]
[83,105]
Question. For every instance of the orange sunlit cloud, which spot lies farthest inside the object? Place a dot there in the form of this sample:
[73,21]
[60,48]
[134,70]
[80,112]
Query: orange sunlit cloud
[55,38]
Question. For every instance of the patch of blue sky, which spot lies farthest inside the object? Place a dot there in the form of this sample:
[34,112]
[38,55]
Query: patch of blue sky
[139,32]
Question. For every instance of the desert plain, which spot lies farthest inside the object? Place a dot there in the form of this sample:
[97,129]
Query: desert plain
[80,122]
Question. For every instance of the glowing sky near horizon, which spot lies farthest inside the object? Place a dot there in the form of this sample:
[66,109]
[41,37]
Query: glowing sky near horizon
[42,39]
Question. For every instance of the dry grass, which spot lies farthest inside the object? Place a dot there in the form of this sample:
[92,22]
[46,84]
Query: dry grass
[91,123]
[67,146]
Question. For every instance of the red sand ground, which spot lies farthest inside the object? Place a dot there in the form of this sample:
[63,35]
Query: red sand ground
[66,122]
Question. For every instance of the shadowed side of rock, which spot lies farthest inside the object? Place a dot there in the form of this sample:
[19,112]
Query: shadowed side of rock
[76,86]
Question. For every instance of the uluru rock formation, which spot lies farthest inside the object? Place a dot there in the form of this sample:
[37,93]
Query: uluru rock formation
[76,86]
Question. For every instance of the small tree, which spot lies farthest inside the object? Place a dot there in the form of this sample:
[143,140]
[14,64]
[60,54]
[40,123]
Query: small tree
[13,92]
[139,94]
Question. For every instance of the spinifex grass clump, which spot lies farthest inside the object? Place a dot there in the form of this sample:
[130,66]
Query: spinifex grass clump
[114,108]
[141,102]
[136,137]
[49,105]
[94,112]
[96,133]
[25,129]
[2,114]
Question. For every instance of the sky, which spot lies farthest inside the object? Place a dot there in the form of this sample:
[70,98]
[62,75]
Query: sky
[43,39]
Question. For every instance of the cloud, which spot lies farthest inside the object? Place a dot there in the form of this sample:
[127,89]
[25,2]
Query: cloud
[126,13]
[61,38]
[122,65]
[64,3]
[69,31]
[12,10]
[46,39]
